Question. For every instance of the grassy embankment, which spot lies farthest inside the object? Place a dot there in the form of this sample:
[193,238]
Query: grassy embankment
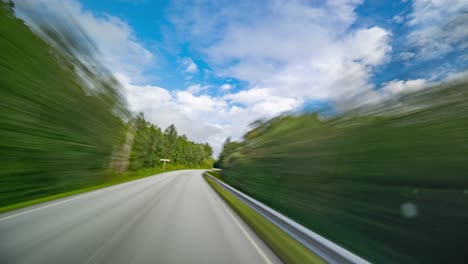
[286,247]
[217,174]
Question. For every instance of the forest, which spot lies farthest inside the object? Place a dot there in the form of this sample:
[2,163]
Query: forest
[151,144]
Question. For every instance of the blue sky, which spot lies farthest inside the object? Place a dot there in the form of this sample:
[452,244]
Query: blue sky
[213,67]
[150,20]
[152,24]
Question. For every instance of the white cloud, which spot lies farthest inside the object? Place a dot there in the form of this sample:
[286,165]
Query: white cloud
[190,66]
[457,76]
[286,51]
[406,55]
[369,46]
[398,19]
[274,106]
[203,118]
[189,113]
[262,102]
[226,87]
[400,86]
[438,27]
[199,104]
[120,50]
[301,51]
[248,97]
[197,88]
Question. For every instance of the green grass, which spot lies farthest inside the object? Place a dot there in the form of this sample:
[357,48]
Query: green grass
[286,247]
[113,180]
[217,174]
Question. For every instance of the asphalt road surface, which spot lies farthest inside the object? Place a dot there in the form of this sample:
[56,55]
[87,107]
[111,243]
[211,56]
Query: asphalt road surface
[174,217]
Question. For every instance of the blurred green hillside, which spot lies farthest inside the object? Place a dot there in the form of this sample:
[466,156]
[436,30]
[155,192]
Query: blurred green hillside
[388,181]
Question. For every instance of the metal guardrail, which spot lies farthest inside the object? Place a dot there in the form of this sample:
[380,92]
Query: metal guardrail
[324,248]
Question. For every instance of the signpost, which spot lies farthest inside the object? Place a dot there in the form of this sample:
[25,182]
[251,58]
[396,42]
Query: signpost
[165,160]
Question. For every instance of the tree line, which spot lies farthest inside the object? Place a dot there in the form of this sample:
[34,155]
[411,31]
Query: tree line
[152,144]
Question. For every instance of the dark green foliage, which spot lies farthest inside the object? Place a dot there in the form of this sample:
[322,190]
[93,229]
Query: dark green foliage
[228,154]
[56,132]
[388,182]
[151,144]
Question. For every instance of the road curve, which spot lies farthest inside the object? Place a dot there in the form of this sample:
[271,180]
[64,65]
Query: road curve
[174,217]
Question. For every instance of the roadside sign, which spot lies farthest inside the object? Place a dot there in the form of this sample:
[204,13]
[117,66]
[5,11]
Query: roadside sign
[164,162]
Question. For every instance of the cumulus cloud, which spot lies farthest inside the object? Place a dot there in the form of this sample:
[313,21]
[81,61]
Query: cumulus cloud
[368,46]
[188,112]
[301,50]
[287,52]
[199,104]
[202,118]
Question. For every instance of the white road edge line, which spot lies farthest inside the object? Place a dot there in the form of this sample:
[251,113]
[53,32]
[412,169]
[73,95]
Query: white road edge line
[45,206]
[71,199]
[251,240]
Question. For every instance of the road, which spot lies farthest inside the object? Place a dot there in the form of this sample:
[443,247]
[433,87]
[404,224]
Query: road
[174,217]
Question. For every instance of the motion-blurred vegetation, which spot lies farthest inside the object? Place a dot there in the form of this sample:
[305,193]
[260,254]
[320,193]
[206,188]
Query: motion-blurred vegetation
[64,124]
[389,181]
